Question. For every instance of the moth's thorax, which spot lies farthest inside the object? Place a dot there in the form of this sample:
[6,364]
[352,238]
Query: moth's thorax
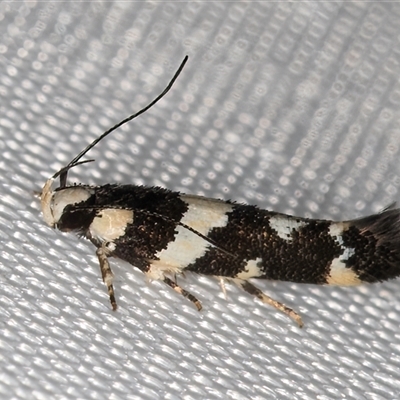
[55,202]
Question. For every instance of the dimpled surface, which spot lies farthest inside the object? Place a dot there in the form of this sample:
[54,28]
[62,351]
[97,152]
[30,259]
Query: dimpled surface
[293,107]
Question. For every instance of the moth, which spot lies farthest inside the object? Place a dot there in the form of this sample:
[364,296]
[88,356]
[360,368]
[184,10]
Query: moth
[166,233]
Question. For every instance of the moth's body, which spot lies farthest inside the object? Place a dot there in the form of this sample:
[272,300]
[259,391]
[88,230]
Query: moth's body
[164,233]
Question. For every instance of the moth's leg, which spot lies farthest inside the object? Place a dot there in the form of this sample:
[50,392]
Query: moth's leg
[106,272]
[223,288]
[183,292]
[250,288]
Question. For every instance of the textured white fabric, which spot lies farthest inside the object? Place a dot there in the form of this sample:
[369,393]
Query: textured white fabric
[294,107]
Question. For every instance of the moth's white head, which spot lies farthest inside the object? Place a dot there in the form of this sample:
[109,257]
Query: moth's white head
[54,203]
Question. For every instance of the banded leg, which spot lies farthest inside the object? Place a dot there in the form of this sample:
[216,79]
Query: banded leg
[183,292]
[106,274]
[250,288]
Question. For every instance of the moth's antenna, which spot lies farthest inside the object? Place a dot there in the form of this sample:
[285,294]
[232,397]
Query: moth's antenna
[64,171]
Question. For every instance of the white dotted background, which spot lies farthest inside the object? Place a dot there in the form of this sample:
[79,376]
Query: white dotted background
[294,107]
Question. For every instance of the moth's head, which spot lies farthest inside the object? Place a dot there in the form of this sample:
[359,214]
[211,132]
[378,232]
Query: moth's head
[54,202]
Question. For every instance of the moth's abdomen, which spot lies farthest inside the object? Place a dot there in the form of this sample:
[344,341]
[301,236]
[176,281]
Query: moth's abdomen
[267,245]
